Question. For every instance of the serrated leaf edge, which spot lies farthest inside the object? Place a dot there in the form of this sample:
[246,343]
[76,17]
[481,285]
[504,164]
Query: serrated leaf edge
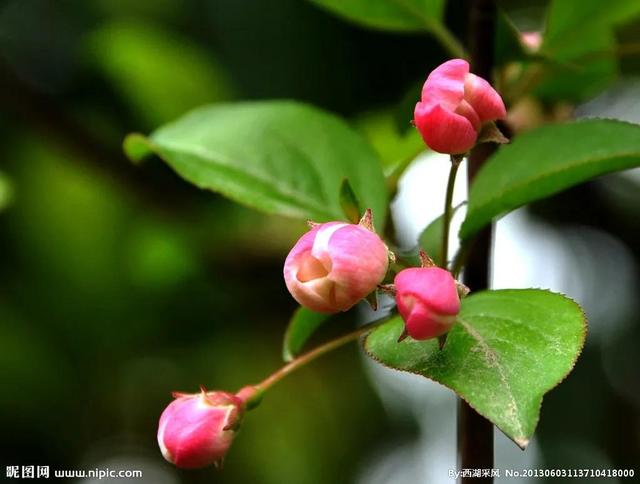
[521,442]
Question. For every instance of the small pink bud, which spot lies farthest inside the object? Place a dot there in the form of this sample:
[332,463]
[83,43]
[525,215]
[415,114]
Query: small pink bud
[454,106]
[196,430]
[335,265]
[427,300]
[532,40]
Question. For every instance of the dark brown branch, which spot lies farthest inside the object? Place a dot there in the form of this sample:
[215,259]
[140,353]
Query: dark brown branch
[475,433]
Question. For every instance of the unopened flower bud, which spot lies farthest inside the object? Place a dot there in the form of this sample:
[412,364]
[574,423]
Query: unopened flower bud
[335,265]
[196,430]
[532,40]
[427,300]
[453,107]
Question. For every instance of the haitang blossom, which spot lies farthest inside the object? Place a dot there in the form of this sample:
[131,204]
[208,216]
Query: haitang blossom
[427,300]
[196,430]
[453,107]
[335,265]
[532,40]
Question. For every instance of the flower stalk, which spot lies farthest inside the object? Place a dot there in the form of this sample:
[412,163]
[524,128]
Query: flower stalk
[448,209]
[304,359]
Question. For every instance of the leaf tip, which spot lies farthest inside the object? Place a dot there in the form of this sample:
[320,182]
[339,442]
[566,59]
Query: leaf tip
[287,356]
[521,442]
[137,147]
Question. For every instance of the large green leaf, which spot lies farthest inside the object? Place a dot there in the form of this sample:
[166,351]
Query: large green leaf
[402,15]
[546,161]
[277,156]
[301,327]
[507,349]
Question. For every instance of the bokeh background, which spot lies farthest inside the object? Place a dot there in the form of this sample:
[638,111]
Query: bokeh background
[119,284]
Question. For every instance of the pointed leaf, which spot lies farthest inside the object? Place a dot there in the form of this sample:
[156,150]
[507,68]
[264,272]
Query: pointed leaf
[546,161]
[280,157]
[507,349]
[301,327]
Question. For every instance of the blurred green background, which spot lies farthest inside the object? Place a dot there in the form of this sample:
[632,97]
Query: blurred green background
[120,284]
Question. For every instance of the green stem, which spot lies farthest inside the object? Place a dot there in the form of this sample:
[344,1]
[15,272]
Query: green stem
[448,209]
[311,355]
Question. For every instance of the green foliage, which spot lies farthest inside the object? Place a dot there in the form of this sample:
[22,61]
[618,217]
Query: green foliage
[302,325]
[579,37]
[506,350]
[276,156]
[134,57]
[546,161]
[399,15]
[396,142]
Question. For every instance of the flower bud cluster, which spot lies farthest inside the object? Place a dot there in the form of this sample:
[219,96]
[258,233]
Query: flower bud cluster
[336,264]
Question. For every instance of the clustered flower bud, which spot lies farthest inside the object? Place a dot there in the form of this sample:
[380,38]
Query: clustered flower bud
[532,40]
[335,265]
[196,430]
[453,107]
[427,300]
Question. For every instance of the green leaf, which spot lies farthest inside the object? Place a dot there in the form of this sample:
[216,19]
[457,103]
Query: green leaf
[579,34]
[302,325]
[399,15]
[349,202]
[546,161]
[507,349]
[430,239]
[280,157]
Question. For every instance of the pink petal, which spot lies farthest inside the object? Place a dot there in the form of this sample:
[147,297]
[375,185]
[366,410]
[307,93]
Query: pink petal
[434,286]
[444,131]
[445,84]
[465,109]
[484,99]
[532,40]
[422,323]
[359,263]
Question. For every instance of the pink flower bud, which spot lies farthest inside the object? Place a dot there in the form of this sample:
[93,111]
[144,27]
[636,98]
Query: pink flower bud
[531,40]
[196,430]
[427,300]
[334,265]
[454,105]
